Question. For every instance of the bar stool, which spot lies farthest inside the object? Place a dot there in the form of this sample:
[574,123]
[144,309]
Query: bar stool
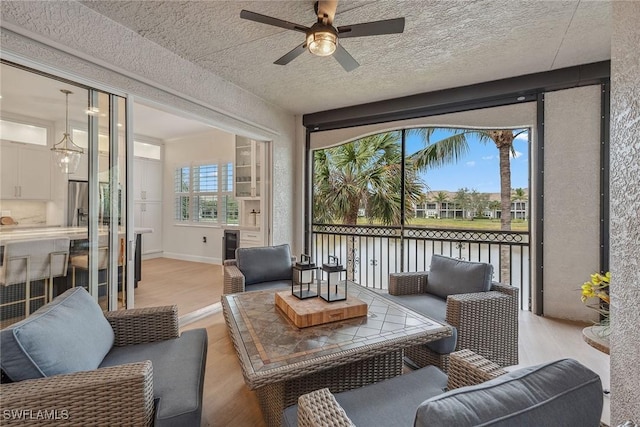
[82,262]
[30,260]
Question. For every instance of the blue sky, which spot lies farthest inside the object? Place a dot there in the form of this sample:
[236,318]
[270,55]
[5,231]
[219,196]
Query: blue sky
[478,169]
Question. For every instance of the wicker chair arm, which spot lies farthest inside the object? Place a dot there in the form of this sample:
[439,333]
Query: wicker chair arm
[467,368]
[118,395]
[505,289]
[319,408]
[143,325]
[233,280]
[408,283]
[487,323]
[230,262]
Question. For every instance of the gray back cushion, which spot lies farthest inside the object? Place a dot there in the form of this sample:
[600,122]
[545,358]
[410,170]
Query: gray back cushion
[450,276]
[560,393]
[67,335]
[264,264]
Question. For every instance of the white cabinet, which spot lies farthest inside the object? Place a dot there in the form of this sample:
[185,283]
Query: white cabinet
[149,215]
[147,179]
[249,159]
[147,195]
[249,239]
[26,172]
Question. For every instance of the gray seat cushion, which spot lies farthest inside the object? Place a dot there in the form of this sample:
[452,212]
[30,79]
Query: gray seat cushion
[264,264]
[69,334]
[560,393]
[449,276]
[391,402]
[434,307]
[178,375]
[276,284]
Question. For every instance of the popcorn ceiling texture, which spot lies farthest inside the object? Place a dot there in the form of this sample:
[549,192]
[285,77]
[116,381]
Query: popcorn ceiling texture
[625,213]
[93,50]
[445,44]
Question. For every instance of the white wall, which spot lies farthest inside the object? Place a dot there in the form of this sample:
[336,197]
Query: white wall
[185,241]
[571,199]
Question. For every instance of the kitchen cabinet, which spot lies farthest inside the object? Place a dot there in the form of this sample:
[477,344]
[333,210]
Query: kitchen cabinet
[250,239]
[147,179]
[149,215]
[147,195]
[26,172]
[249,160]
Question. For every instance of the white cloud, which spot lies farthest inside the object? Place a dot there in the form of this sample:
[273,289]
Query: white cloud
[523,137]
[488,157]
[515,155]
[471,164]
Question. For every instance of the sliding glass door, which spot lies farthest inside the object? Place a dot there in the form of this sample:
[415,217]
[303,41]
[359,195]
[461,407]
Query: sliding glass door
[64,176]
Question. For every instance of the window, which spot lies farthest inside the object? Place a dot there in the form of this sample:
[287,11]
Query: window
[204,194]
[22,132]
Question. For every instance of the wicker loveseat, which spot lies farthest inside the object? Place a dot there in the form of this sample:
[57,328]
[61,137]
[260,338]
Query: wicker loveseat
[483,313]
[558,393]
[75,365]
[259,268]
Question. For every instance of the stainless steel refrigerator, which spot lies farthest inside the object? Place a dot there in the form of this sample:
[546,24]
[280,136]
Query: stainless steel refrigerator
[78,204]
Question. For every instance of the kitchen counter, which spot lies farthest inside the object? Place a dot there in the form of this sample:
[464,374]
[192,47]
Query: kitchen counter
[14,233]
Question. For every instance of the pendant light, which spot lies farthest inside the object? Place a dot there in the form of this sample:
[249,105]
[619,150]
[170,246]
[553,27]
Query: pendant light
[67,154]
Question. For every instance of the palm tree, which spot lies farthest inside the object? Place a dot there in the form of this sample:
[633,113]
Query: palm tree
[440,199]
[461,200]
[451,148]
[494,205]
[364,174]
[519,194]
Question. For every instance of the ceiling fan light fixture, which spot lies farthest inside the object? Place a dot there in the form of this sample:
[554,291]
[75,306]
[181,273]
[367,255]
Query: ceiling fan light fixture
[322,42]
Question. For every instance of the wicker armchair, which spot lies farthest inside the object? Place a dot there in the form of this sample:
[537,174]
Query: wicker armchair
[258,268]
[320,408]
[562,392]
[117,395]
[486,322]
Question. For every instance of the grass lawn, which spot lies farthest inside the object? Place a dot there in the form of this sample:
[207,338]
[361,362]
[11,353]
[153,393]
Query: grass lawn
[476,224]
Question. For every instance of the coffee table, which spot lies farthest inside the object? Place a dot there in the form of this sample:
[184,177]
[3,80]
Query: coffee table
[282,362]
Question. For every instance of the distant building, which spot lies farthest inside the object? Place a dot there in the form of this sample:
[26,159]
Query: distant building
[431,208]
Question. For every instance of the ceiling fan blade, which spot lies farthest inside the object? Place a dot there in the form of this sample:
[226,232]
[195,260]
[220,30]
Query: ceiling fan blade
[328,8]
[297,51]
[345,59]
[376,28]
[264,19]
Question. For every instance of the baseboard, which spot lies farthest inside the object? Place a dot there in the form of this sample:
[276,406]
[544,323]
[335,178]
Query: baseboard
[152,255]
[199,314]
[193,258]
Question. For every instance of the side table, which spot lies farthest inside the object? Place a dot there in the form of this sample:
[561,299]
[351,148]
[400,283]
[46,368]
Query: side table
[594,337]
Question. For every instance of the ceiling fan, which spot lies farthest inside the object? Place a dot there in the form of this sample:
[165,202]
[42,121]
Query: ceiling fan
[322,37]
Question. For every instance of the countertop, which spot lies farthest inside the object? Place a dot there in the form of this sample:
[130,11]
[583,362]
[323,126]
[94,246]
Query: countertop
[13,233]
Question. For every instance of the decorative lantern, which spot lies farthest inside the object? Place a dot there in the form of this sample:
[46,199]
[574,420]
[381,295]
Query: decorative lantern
[333,287]
[303,276]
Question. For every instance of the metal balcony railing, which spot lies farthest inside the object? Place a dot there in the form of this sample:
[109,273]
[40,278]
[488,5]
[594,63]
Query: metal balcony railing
[370,253]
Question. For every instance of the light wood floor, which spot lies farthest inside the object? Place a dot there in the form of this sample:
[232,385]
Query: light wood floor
[227,400]
[190,285]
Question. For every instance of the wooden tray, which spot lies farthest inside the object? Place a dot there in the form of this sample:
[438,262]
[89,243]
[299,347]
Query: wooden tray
[316,311]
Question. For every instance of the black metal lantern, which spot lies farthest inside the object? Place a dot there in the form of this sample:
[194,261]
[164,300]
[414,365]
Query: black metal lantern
[304,273]
[333,287]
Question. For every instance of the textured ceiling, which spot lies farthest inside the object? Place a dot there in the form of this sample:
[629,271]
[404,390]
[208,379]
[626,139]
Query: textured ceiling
[445,44]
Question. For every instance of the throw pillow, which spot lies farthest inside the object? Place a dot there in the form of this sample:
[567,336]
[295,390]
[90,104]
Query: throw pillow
[450,276]
[69,334]
[265,264]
